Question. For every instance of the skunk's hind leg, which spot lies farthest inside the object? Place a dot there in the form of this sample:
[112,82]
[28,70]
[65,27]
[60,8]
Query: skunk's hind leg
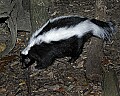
[75,56]
[77,51]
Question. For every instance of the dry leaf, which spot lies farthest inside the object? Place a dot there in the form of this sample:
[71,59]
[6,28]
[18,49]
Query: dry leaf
[2,90]
[2,47]
[51,75]
[106,61]
[22,83]
[61,89]
[34,74]
[53,14]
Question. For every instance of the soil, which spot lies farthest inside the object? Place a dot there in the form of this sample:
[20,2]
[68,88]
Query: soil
[62,78]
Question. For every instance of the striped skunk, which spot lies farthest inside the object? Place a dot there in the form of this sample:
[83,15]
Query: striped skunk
[63,36]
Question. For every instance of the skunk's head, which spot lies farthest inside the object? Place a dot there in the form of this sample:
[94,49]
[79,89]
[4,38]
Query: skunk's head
[24,59]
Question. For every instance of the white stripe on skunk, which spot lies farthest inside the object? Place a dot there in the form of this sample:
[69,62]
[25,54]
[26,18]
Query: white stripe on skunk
[64,32]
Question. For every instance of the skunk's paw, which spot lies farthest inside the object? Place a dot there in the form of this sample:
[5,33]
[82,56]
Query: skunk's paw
[40,67]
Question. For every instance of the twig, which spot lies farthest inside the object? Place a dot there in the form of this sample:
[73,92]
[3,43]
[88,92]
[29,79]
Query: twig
[28,81]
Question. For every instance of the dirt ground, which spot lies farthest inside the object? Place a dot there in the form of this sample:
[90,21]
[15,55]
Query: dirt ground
[62,78]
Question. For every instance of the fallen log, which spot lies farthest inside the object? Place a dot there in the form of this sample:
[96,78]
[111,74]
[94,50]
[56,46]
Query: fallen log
[94,58]
[95,50]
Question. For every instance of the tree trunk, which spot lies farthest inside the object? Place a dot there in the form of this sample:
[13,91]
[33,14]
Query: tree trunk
[38,15]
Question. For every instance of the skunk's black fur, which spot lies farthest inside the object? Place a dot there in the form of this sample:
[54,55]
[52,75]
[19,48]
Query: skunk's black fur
[45,53]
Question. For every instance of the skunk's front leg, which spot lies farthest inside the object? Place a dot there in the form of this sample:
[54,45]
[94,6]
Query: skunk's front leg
[39,65]
[43,65]
[77,51]
[45,62]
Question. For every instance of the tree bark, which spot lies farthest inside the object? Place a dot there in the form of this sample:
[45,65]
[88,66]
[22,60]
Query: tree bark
[38,13]
[9,11]
[95,50]
[94,58]
[16,18]
[110,83]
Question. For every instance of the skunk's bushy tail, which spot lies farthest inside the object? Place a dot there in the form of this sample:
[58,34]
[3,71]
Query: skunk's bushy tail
[103,30]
